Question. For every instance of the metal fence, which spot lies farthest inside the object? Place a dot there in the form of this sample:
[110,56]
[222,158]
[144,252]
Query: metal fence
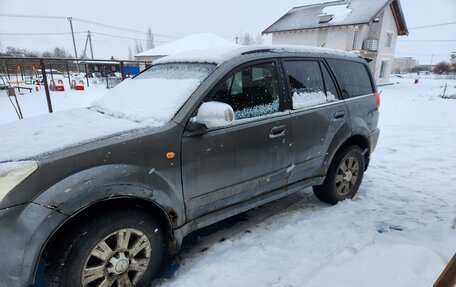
[18,73]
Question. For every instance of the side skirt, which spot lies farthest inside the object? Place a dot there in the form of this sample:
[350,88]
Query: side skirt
[232,210]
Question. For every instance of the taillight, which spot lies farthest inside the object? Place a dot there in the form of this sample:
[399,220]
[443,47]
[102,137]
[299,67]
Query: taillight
[377,99]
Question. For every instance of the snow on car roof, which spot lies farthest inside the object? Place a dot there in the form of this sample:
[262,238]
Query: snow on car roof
[221,55]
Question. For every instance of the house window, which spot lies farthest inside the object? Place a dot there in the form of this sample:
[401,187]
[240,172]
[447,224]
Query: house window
[389,40]
[355,40]
[383,69]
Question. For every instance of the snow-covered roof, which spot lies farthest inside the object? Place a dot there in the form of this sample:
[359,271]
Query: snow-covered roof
[349,12]
[221,55]
[190,42]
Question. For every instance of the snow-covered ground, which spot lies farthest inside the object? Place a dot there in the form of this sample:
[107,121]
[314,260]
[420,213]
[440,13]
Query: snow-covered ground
[33,104]
[399,230]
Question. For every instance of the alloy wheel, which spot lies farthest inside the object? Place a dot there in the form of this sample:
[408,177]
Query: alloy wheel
[120,260]
[347,175]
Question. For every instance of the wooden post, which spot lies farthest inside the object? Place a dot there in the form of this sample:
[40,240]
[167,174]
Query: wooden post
[68,73]
[448,276]
[87,75]
[122,70]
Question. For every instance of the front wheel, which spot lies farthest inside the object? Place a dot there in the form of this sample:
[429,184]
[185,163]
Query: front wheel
[122,248]
[344,176]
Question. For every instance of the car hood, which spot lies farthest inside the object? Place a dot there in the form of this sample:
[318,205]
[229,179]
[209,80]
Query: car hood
[41,135]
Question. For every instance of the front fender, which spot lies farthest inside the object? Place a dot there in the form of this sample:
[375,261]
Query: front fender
[84,188]
[24,229]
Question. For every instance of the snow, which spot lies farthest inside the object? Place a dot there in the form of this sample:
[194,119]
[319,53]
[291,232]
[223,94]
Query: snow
[398,231]
[189,43]
[306,99]
[151,101]
[43,134]
[223,54]
[339,12]
[33,104]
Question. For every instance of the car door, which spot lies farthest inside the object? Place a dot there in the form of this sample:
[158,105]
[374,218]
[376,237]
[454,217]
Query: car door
[317,114]
[223,167]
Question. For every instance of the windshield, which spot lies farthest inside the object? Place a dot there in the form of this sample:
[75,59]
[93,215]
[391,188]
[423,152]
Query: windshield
[177,72]
[156,95]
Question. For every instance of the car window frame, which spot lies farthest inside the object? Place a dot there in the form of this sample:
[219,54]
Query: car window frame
[321,62]
[232,72]
[338,86]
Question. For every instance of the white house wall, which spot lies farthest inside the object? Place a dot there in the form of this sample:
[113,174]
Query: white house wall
[336,38]
[386,53]
[342,38]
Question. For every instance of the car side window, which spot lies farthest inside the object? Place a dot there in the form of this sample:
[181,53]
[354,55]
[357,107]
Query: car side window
[306,84]
[353,78]
[331,91]
[251,92]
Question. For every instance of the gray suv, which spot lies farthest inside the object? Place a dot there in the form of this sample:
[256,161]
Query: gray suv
[100,194]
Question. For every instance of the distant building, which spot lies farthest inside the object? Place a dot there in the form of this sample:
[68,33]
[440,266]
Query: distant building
[403,65]
[453,58]
[366,27]
[188,43]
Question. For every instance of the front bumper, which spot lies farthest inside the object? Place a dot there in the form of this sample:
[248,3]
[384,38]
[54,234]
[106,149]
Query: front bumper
[24,230]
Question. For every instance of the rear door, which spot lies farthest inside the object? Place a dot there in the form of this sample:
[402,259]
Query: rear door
[223,167]
[357,87]
[317,114]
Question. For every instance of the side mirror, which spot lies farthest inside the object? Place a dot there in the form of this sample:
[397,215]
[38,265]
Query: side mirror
[215,115]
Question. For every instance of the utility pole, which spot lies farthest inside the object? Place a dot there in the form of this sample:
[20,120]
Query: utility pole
[70,19]
[91,47]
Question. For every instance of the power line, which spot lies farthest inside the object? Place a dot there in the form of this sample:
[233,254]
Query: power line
[127,38]
[81,32]
[431,26]
[83,21]
[108,26]
[30,16]
[39,34]
[428,41]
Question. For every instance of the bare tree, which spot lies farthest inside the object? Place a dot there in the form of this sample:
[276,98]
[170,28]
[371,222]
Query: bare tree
[150,39]
[139,47]
[259,39]
[248,39]
[61,53]
[130,53]
[442,68]
[17,52]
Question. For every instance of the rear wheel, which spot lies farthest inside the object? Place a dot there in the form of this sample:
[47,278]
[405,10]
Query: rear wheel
[122,248]
[344,176]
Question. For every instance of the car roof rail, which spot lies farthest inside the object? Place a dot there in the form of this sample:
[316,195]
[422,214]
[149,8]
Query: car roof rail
[257,51]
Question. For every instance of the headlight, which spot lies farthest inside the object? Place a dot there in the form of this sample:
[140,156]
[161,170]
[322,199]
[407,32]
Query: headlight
[13,173]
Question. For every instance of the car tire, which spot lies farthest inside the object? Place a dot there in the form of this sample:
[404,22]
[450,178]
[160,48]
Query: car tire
[344,176]
[123,247]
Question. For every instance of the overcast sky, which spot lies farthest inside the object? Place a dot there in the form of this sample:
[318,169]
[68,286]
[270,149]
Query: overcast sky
[180,18]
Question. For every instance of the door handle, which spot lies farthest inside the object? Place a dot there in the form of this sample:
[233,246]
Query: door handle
[339,115]
[277,132]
